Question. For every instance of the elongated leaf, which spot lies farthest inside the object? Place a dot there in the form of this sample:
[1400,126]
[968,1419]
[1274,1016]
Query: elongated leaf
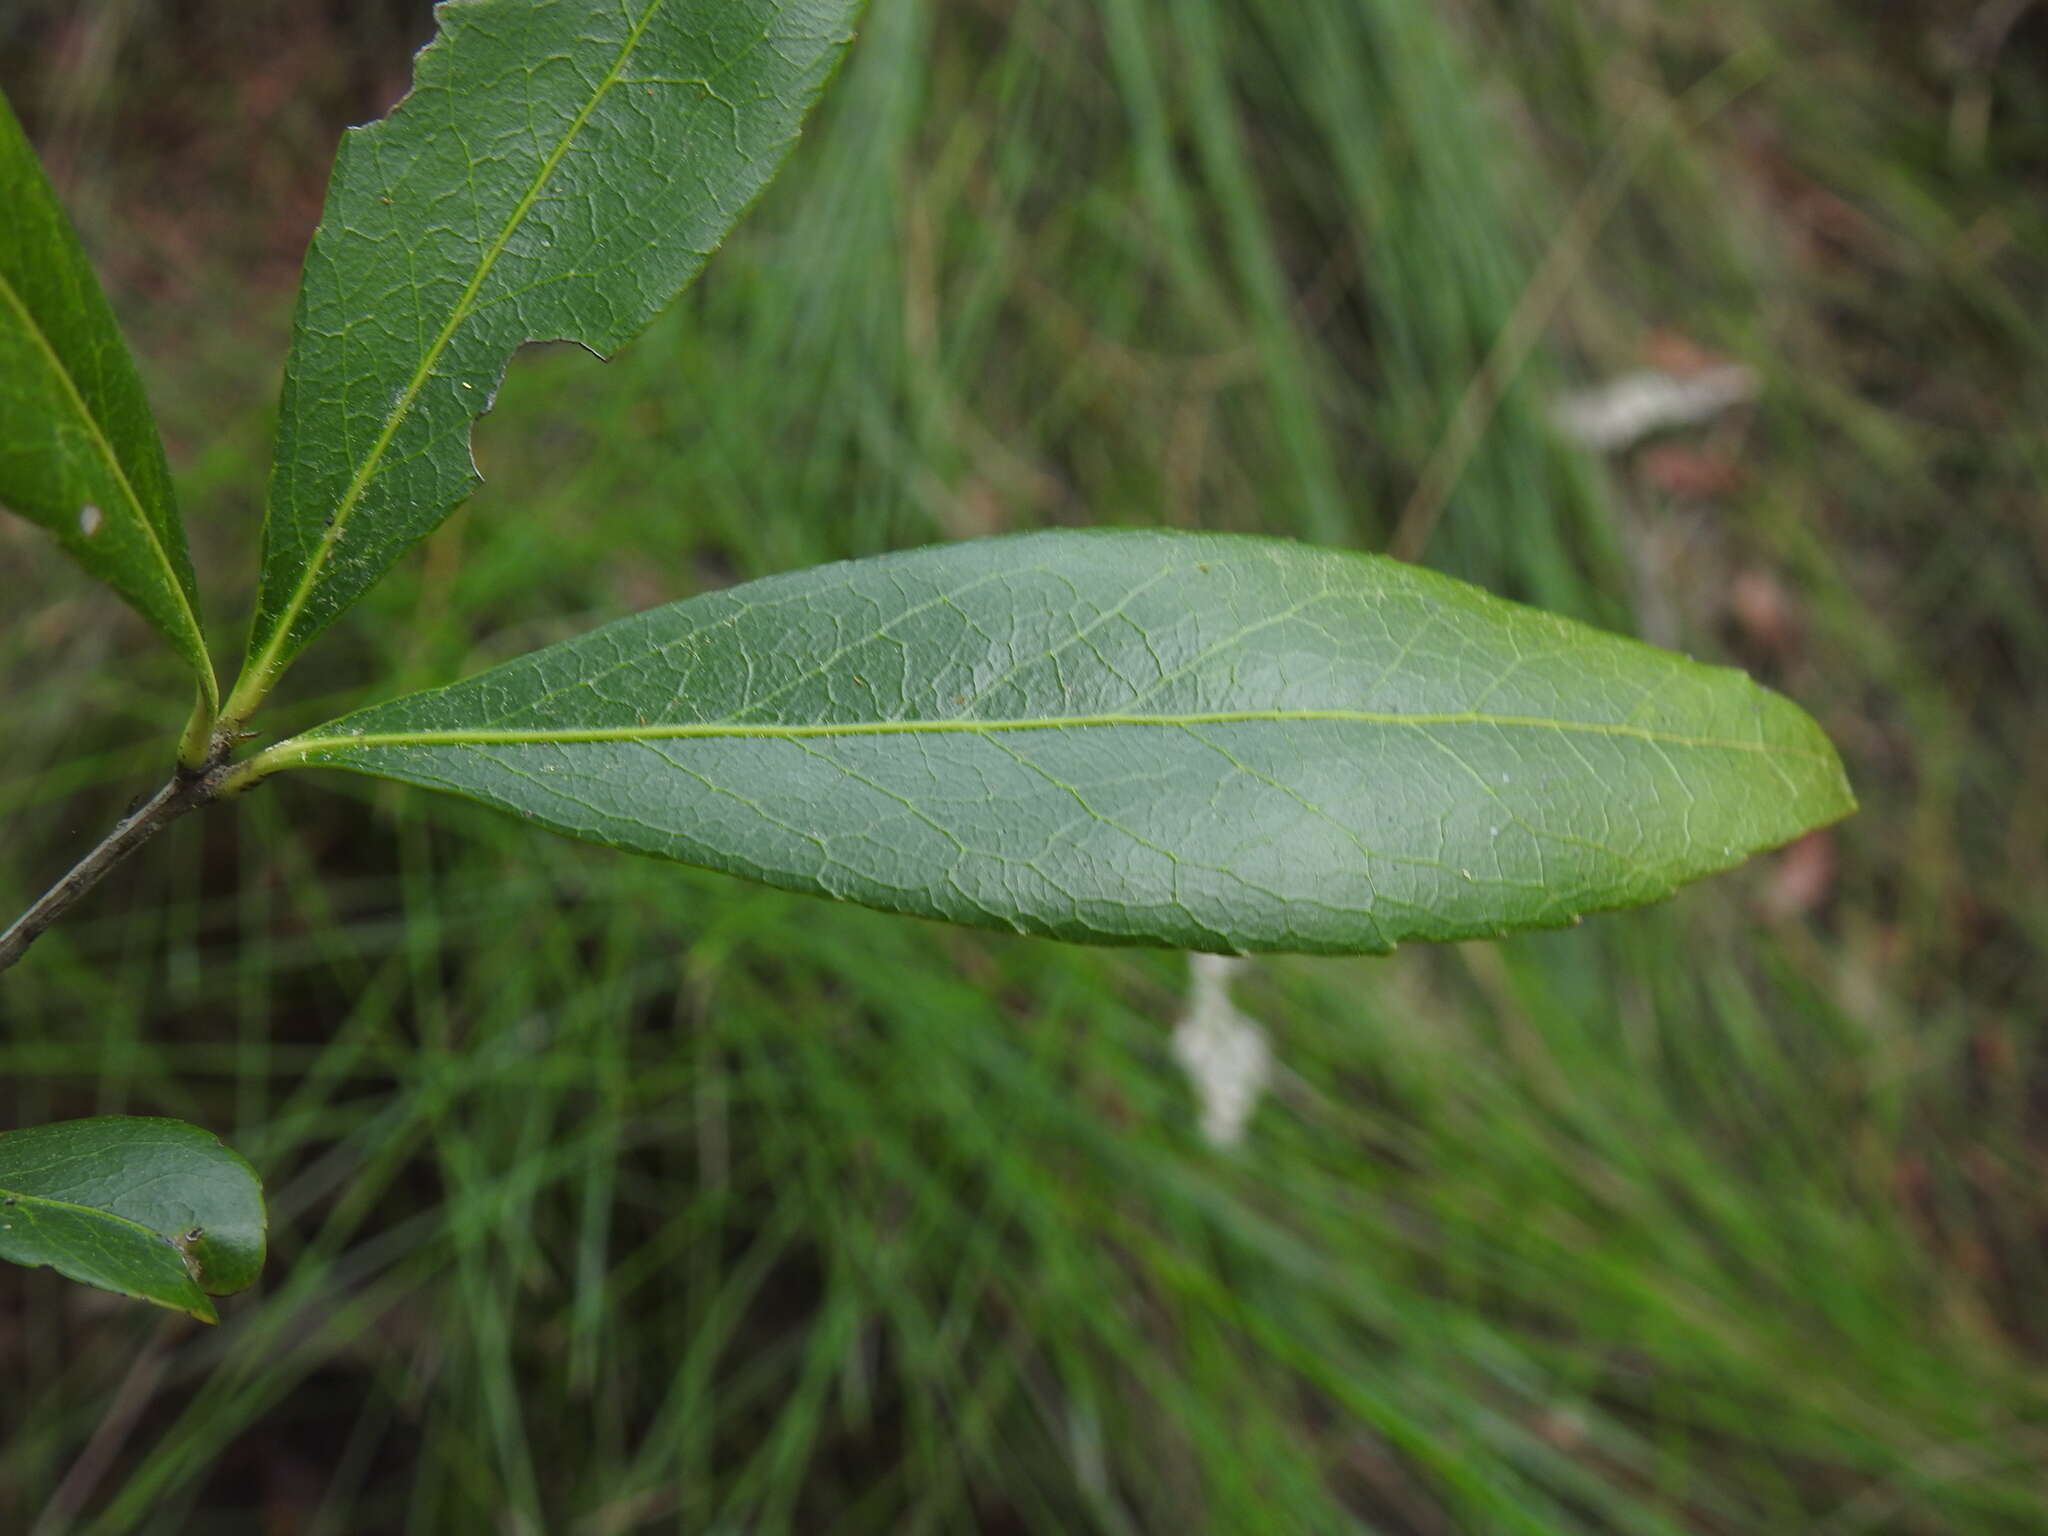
[79,452]
[1199,740]
[154,1209]
[561,169]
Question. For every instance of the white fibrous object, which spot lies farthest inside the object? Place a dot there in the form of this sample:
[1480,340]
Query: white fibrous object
[1224,1054]
[1612,416]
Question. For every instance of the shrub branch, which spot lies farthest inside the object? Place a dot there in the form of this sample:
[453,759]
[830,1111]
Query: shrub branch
[187,791]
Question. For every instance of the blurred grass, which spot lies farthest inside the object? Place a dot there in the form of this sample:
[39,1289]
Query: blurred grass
[612,1197]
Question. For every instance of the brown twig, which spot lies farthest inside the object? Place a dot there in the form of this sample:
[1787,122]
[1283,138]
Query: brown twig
[188,790]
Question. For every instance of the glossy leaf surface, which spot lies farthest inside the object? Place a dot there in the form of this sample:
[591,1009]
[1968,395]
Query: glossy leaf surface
[1198,740]
[79,452]
[154,1209]
[560,170]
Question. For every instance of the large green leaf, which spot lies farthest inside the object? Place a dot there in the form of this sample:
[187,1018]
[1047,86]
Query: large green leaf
[79,452]
[154,1209]
[1199,740]
[561,169]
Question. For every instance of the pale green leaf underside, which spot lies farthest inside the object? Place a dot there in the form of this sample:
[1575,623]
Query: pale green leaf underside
[1198,740]
[154,1209]
[560,170]
[79,451]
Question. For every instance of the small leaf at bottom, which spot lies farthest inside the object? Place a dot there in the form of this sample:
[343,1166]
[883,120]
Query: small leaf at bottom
[154,1209]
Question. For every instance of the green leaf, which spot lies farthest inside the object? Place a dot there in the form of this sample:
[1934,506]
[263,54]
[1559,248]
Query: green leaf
[1208,741]
[79,452]
[561,170]
[154,1209]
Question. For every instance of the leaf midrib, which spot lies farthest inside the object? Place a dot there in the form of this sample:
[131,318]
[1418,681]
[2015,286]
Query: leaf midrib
[55,362]
[261,668]
[301,749]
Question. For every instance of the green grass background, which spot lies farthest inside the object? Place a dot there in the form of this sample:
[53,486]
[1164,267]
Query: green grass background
[611,1197]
